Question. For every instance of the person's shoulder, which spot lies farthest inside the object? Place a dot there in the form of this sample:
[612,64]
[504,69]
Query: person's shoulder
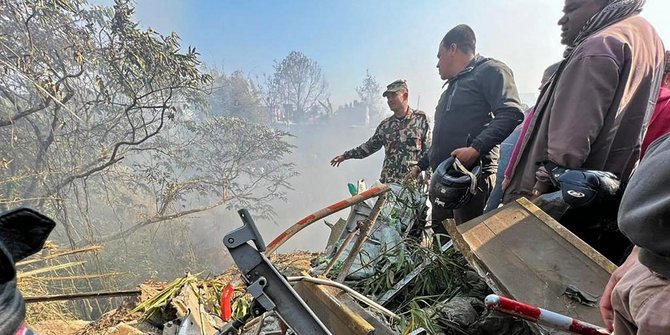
[633,24]
[492,65]
[613,40]
[604,42]
[419,113]
[385,122]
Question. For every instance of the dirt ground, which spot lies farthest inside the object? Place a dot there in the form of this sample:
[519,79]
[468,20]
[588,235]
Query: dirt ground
[59,327]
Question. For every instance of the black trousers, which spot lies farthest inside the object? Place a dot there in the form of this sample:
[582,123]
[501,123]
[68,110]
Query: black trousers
[474,208]
[598,227]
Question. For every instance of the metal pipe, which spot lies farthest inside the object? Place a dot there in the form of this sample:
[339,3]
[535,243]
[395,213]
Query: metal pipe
[347,289]
[88,295]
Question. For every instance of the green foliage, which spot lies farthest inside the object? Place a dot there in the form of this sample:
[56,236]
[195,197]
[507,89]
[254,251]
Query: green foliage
[159,301]
[83,87]
[240,306]
[446,276]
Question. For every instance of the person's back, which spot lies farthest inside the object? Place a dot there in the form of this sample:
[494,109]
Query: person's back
[506,150]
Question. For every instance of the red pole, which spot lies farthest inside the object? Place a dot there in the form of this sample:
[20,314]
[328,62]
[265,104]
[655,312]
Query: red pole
[542,316]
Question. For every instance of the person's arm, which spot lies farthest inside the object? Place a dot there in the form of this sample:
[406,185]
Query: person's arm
[580,106]
[368,148]
[581,101]
[498,87]
[426,140]
[606,311]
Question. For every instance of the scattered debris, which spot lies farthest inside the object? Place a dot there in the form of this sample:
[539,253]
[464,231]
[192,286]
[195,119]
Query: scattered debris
[430,288]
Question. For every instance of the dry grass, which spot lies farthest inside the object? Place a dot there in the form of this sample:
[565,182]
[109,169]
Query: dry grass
[55,271]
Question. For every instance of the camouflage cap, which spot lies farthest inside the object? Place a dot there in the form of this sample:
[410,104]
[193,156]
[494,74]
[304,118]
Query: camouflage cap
[398,85]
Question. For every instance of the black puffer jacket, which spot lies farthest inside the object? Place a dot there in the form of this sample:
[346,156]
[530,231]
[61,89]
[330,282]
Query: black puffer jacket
[479,108]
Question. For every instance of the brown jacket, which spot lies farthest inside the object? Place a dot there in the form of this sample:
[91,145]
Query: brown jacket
[591,114]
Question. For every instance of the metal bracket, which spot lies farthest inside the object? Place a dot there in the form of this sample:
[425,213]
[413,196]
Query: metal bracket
[248,232]
[256,290]
[270,289]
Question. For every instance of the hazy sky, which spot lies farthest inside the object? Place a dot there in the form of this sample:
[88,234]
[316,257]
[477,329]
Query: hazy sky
[393,39]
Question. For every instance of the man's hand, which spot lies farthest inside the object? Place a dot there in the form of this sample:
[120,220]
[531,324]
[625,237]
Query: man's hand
[468,156]
[606,311]
[337,160]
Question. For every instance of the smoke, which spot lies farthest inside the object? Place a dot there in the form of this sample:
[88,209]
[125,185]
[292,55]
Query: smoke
[317,185]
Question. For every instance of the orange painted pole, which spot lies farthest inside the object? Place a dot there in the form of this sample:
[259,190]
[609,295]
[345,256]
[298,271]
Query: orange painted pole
[322,213]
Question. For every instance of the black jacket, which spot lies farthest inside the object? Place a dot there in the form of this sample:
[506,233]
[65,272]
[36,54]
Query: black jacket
[644,214]
[479,108]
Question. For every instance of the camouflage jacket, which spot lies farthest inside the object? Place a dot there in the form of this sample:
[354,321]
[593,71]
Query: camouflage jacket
[404,140]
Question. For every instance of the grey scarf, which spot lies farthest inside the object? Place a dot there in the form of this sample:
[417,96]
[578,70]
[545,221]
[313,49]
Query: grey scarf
[615,11]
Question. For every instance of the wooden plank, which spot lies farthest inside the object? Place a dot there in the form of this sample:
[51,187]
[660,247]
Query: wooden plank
[379,327]
[334,314]
[526,255]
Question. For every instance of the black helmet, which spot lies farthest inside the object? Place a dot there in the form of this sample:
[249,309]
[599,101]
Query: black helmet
[452,185]
[582,188]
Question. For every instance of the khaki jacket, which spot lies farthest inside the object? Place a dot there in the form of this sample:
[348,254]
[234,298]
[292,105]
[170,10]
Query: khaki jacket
[592,113]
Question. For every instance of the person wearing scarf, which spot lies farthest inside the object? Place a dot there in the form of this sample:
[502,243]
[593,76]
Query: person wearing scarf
[593,112]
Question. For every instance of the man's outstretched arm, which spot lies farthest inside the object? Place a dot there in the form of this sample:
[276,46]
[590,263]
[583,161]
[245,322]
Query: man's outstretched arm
[364,150]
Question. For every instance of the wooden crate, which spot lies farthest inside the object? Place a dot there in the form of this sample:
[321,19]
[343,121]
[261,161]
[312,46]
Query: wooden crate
[526,255]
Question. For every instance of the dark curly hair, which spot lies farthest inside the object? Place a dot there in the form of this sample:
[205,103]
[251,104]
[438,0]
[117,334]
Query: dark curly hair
[667,62]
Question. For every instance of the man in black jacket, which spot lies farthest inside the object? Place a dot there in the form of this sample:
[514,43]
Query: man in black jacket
[477,111]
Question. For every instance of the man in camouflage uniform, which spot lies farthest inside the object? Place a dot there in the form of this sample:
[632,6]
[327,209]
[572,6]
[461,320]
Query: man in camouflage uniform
[405,136]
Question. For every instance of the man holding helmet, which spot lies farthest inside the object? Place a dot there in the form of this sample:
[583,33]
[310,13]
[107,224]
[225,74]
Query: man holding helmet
[477,111]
